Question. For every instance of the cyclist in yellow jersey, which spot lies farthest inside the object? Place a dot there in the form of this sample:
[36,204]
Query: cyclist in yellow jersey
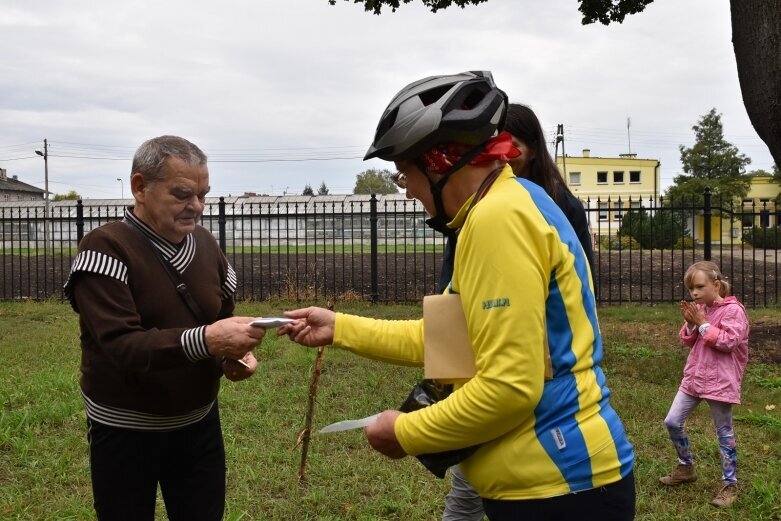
[548,447]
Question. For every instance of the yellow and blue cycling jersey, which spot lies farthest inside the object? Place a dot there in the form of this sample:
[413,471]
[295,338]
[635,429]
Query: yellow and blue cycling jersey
[524,283]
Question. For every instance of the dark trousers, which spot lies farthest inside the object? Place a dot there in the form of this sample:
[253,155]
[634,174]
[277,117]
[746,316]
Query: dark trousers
[189,465]
[614,502]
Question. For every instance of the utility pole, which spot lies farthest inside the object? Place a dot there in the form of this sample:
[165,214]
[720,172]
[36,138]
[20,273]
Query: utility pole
[45,155]
[560,139]
[121,188]
[628,135]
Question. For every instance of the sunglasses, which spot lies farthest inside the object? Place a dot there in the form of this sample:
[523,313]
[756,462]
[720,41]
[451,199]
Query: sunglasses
[400,180]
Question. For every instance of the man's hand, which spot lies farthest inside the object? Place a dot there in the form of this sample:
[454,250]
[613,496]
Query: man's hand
[235,371]
[313,327]
[233,337]
[382,436]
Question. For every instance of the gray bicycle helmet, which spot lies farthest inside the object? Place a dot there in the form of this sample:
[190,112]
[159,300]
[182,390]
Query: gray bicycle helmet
[464,108]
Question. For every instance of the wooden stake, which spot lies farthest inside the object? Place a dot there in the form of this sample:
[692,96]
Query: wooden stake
[306,433]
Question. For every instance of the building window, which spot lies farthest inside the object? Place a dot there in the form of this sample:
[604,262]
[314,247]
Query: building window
[635,205]
[747,219]
[618,178]
[618,210]
[574,178]
[6,197]
[603,210]
[602,178]
[764,219]
[634,177]
[764,213]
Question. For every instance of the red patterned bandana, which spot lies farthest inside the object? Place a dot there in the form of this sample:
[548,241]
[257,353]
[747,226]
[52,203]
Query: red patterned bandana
[442,157]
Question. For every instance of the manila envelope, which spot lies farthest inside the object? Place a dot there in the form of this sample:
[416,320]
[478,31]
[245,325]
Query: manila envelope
[447,353]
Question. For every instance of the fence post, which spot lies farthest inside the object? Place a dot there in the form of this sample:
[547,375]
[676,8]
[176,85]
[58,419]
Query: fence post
[221,223]
[79,221]
[706,228]
[374,248]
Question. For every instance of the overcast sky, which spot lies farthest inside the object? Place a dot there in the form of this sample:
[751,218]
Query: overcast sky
[284,93]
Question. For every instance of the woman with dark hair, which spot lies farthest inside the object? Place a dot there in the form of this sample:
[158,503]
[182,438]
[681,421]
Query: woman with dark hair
[536,165]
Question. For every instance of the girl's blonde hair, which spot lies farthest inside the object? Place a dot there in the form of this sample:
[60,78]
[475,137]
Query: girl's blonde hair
[711,270]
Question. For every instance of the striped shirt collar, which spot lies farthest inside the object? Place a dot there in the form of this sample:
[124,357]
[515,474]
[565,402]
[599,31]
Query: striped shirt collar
[179,255]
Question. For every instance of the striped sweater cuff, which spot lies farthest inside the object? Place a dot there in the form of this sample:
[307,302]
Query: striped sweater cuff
[194,344]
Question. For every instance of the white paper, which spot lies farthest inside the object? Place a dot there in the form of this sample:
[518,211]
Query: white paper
[269,322]
[242,362]
[345,425]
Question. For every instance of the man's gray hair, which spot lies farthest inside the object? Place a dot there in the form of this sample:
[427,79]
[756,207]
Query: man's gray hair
[151,156]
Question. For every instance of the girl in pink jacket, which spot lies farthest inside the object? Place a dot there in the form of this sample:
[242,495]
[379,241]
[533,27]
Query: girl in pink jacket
[716,329]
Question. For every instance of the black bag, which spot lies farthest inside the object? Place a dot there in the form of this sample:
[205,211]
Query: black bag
[425,393]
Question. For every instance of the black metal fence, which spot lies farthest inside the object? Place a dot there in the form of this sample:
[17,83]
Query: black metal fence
[379,248]
[643,247]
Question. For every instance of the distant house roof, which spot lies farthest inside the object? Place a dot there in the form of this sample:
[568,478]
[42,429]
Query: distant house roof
[291,205]
[12,184]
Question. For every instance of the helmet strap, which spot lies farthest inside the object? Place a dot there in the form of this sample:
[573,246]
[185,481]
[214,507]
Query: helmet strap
[436,188]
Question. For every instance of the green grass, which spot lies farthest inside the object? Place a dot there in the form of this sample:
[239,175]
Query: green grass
[44,472]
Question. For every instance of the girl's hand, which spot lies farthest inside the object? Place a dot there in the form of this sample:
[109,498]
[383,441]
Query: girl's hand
[692,313]
[683,308]
[687,314]
[698,317]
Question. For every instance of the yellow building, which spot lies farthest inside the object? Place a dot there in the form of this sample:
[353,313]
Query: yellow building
[758,208]
[762,200]
[609,186]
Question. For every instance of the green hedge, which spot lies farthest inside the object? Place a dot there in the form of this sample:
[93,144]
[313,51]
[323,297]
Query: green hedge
[767,238]
[659,231]
[618,243]
[684,243]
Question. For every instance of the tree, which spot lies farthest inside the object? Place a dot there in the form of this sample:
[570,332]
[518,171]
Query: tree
[662,230]
[308,190]
[604,11]
[434,5]
[70,196]
[756,40]
[373,181]
[323,190]
[712,162]
[759,172]
[610,11]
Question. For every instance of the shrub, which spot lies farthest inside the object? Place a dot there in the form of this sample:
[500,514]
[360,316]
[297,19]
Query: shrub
[766,238]
[658,231]
[684,243]
[608,242]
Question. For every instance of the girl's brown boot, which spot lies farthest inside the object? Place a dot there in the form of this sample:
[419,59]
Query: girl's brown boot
[680,474]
